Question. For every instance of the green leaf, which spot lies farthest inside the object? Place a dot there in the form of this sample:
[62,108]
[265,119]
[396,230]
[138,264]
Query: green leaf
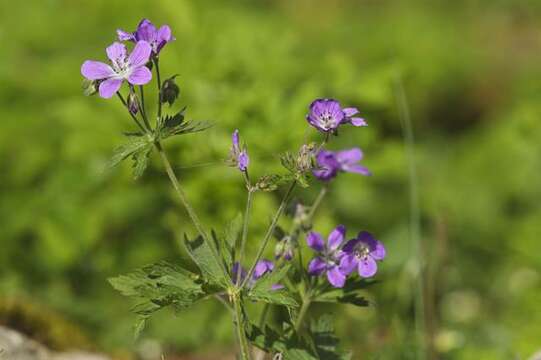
[272,342]
[231,237]
[325,340]
[140,161]
[207,260]
[263,291]
[171,125]
[157,286]
[124,151]
[349,294]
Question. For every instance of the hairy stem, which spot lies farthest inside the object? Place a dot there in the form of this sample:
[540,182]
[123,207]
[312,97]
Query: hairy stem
[244,236]
[159,82]
[239,326]
[307,301]
[270,231]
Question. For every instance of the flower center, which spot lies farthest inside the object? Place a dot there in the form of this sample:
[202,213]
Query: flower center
[327,120]
[362,251]
[121,66]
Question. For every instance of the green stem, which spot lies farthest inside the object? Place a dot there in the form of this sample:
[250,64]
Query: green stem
[307,301]
[182,196]
[159,81]
[239,326]
[317,202]
[244,236]
[270,231]
[417,248]
[132,116]
[143,109]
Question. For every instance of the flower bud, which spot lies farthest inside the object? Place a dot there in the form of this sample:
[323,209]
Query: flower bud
[170,91]
[133,103]
[90,87]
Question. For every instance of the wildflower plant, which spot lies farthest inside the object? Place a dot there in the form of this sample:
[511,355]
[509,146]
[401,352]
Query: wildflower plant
[224,273]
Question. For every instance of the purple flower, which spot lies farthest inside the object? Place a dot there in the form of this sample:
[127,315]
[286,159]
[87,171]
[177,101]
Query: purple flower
[238,157]
[328,260]
[361,254]
[146,31]
[331,163]
[262,267]
[123,67]
[327,115]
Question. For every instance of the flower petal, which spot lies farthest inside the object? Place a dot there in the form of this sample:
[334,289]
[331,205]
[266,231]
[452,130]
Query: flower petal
[96,70]
[316,266]
[277,287]
[146,31]
[315,241]
[357,169]
[335,277]
[350,246]
[124,35]
[140,54]
[243,160]
[379,252]
[336,237]
[109,87]
[262,267]
[357,121]
[235,273]
[367,267]
[350,156]
[348,263]
[164,34]
[350,111]
[140,76]
[116,52]
[235,139]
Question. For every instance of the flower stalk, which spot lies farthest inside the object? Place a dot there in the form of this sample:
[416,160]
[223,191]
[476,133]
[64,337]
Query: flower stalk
[270,230]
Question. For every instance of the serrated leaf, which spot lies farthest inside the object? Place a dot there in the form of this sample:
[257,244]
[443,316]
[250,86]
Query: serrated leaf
[124,151]
[206,259]
[271,342]
[171,125]
[231,238]
[140,161]
[349,294]
[157,286]
[325,340]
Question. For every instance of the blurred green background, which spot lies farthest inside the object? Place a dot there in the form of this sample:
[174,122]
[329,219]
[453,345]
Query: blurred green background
[471,71]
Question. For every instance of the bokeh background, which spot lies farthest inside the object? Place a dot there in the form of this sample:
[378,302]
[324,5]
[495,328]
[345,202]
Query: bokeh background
[470,72]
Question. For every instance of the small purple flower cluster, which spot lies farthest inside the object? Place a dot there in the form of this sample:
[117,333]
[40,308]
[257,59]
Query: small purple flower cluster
[128,67]
[337,261]
[327,115]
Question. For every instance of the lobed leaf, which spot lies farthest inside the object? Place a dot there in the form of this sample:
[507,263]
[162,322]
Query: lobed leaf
[207,260]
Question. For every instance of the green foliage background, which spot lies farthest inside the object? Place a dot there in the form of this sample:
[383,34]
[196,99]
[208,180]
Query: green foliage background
[471,71]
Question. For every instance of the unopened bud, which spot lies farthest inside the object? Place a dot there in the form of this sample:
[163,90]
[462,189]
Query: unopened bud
[170,91]
[133,103]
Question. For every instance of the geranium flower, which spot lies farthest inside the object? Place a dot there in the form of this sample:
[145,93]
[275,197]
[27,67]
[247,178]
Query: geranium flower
[329,255]
[331,163]
[361,254]
[146,31]
[123,68]
[327,115]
